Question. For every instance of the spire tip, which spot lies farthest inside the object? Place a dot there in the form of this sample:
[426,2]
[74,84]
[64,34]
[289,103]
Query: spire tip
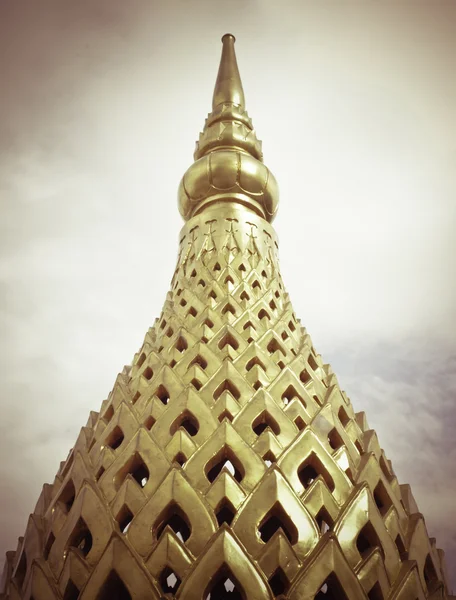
[228,36]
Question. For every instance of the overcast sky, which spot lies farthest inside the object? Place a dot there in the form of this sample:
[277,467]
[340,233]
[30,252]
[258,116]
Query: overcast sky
[101,102]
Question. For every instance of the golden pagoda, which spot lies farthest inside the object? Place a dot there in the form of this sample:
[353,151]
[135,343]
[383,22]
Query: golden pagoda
[226,462]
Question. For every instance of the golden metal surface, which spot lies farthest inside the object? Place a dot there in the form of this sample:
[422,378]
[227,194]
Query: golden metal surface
[226,462]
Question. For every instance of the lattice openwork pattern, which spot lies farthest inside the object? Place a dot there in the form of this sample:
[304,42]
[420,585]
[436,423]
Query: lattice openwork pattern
[226,463]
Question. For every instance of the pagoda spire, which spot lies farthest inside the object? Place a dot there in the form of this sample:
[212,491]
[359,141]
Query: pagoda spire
[228,87]
[228,167]
[226,462]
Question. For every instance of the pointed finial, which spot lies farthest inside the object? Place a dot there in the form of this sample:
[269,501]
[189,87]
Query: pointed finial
[228,168]
[228,87]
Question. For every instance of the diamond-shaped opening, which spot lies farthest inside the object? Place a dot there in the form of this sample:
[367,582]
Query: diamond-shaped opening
[367,540]
[196,383]
[277,519]
[312,468]
[169,581]
[312,362]
[256,285]
[225,415]
[181,344]
[228,386]
[291,326]
[263,314]
[290,394]
[202,283]
[279,583]
[183,302]
[113,588]
[224,586]
[109,413]
[331,590]
[198,360]
[228,308]
[241,267]
[137,468]
[317,400]
[269,458]
[273,346]
[334,439]
[115,438]
[148,373]
[429,572]
[187,421]
[141,359]
[81,538]
[216,267]
[245,296]
[257,385]
[382,498]
[249,324]
[225,458]
[305,376]
[273,305]
[180,459]
[136,397]
[173,516]
[100,472]
[324,520]
[162,394]
[343,417]
[228,340]
[300,423]
[149,422]
[375,593]
[71,591]
[265,421]
[254,361]
[67,496]
[284,335]
[225,512]
[124,518]
[192,311]
[169,332]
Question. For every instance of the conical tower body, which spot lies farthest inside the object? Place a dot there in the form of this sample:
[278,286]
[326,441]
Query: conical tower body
[226,462]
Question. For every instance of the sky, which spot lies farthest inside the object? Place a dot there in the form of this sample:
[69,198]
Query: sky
[101,103]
